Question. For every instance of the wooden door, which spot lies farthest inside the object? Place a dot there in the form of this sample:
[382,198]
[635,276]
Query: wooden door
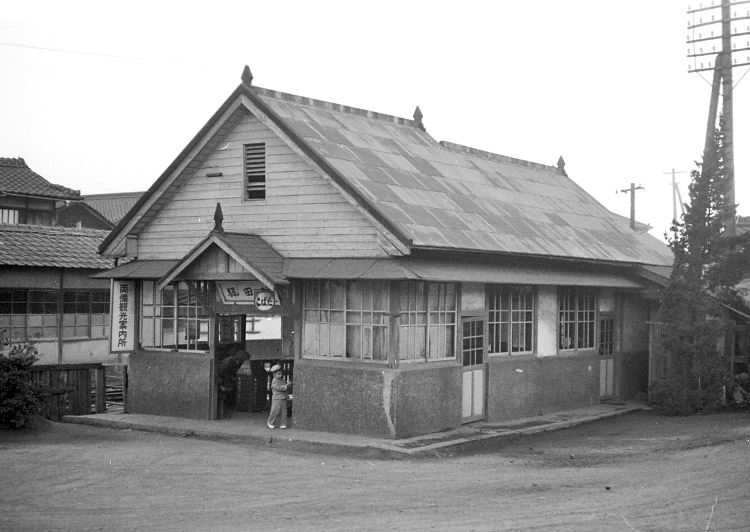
[606,357]
[472,357]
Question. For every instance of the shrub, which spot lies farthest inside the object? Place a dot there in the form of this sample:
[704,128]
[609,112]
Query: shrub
[19,402]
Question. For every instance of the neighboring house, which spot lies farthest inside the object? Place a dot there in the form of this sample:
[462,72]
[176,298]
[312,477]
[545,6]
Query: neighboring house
[47,294]
[97,211]
[409,285]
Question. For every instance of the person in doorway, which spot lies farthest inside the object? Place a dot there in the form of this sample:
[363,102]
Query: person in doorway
[228,369]
[280,394]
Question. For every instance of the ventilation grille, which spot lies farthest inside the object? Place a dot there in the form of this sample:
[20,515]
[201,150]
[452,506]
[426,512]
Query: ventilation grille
[255,170]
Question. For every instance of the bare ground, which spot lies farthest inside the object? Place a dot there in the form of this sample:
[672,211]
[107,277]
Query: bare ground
[640,472]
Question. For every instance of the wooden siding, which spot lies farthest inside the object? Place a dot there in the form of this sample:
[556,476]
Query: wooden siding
[303,215]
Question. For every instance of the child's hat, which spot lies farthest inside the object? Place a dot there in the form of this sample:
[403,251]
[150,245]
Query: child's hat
[275,368]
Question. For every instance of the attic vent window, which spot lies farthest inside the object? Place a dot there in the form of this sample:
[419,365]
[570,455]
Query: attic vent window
[255,171]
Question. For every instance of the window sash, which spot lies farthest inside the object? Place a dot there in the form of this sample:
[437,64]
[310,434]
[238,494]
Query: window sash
[577,319]
[173,318]
[32,314]
[512,318]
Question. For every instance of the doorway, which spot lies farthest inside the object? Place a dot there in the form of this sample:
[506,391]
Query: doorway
[472,361]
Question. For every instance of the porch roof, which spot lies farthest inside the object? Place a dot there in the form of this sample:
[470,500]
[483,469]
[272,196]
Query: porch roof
[139,269]
[452,270]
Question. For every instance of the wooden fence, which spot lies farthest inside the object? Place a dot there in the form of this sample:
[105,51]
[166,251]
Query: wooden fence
[69,389]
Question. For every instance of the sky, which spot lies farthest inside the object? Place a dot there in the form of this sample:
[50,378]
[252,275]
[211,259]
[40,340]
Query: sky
[102,96]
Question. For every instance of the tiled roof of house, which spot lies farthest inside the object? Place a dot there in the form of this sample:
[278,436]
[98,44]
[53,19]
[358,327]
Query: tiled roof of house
[112,206]
[17,178]
[54,247]
[441,195]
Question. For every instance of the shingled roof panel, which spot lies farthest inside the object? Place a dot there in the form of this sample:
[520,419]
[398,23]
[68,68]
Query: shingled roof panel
[57,247]
[17,178]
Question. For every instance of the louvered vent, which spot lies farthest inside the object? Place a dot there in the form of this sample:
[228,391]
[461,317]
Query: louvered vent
[255,170]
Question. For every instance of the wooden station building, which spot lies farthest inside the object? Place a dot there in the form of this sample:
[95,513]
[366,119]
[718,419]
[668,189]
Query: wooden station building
[409,285]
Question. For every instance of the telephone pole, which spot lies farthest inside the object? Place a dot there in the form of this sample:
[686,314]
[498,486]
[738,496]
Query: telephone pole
[722,65]
[675,196]
[632,190]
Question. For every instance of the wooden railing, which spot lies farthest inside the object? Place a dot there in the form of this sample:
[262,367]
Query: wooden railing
[69,389]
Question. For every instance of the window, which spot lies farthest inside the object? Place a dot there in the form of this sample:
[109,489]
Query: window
[174,318]
[255,170]
[427,320]
[606,335]
[33,314]
[511,319]
[347,319]
[10,216]
[577,319]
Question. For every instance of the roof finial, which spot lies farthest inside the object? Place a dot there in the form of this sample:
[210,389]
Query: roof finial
[418,118]
[247,76]
[561,166]
[218,219]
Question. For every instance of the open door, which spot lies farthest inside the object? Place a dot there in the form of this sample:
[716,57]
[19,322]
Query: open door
[472,357]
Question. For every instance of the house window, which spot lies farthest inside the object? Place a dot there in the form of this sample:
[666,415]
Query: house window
[255,170]
[511,319]
[33,314]
[427,320]
[606,335]
[577,319]
[174,318]
[10,216]
[347,319]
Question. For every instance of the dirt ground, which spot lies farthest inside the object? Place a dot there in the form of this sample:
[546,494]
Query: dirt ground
[639,472]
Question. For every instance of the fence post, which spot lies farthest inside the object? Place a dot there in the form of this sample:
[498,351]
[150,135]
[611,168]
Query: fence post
[101,394]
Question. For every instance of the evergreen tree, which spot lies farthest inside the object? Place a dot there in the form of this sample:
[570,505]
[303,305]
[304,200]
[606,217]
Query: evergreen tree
[693,321]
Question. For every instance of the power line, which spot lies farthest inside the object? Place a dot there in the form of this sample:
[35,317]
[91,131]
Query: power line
[59,50]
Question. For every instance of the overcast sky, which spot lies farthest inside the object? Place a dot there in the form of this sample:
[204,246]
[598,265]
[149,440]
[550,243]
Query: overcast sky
[102,96]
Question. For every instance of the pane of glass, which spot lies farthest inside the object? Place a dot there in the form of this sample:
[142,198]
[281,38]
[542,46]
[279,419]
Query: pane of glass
[380,343]
[337,343]
[353,342]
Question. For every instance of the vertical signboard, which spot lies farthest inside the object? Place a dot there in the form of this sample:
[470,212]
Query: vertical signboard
[123,316]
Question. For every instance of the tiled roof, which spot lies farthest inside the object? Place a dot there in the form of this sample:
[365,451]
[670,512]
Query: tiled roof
[112,206]
[17,178]
[445,196]
[54,247]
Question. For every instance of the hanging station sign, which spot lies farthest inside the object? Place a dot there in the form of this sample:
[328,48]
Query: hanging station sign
[248,293]
[123,316]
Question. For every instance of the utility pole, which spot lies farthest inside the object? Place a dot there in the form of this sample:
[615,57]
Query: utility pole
[675,196]
[632,190]
[722,69]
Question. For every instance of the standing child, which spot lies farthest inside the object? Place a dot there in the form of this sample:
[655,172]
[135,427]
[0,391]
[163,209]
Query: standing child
[280,394]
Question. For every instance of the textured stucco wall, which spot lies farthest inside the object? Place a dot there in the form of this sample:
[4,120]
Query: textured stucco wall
[374,400]
[170,384]
[521,387]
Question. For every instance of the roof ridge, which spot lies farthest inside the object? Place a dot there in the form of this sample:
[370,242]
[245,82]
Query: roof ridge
[279,95]
[110,194]
[495,156]
[28,228]
[13,161]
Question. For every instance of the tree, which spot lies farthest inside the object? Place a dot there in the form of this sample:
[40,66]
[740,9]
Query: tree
[692,314]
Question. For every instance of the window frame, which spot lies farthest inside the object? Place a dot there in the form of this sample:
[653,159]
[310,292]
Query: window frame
[42,314]
[579,318]
[174,311]
[507,316]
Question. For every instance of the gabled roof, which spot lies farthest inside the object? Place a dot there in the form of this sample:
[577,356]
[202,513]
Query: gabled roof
[112,206]
[250,251]
[428,194]
[17,178]
[53,247]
